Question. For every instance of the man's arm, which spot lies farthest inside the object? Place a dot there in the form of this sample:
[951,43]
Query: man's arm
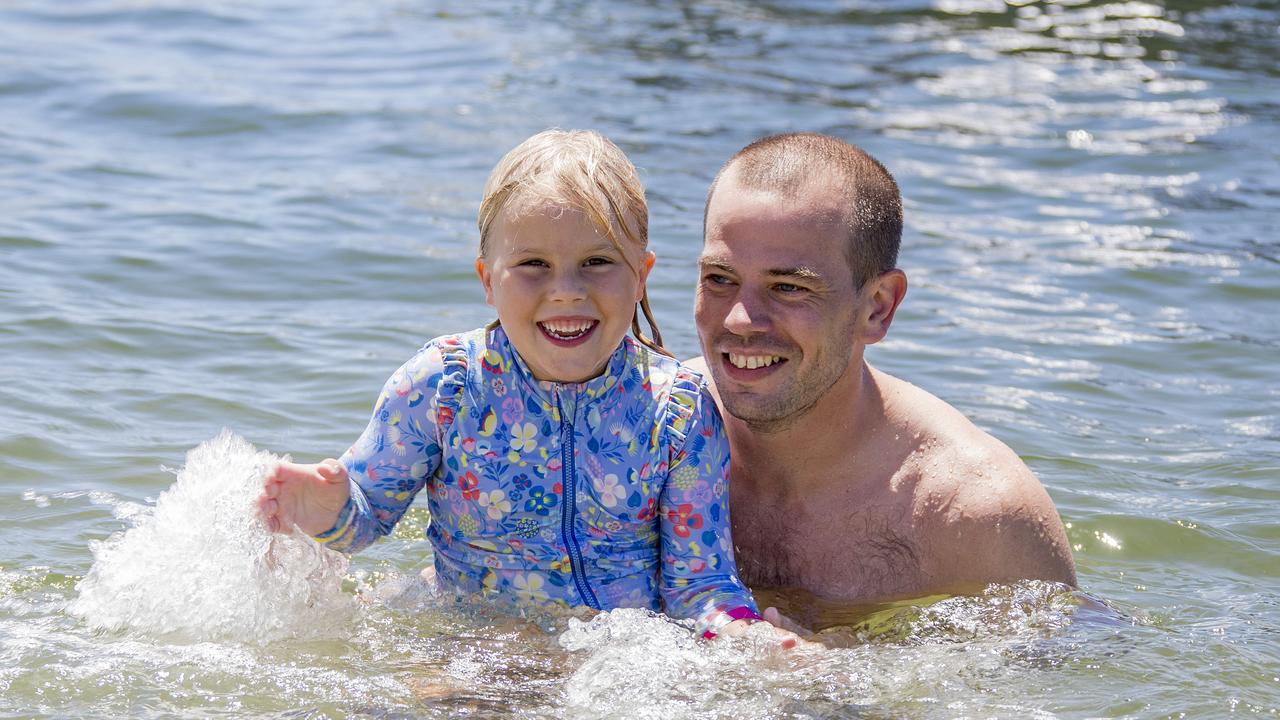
[997,524]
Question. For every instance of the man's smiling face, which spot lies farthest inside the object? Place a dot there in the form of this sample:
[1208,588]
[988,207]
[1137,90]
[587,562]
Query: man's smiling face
[777,305]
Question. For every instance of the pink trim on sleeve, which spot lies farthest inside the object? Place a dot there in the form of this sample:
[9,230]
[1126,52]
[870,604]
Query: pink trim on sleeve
[727,616]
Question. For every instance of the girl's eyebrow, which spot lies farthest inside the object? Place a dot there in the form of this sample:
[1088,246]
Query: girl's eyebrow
[527,250]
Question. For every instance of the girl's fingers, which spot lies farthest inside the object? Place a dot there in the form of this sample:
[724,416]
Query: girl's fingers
[268,510]
[331,470]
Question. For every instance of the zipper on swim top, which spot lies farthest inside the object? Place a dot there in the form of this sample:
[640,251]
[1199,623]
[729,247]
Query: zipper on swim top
[568,510]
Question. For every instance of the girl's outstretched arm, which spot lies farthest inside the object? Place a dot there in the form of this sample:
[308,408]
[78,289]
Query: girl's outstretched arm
[306,496]
[399,449]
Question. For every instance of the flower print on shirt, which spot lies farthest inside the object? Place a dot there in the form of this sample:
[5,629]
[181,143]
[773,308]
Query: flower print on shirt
[540,501]
[488,443]
[685,520]
[624,433]
[685,476]
[469,484]
[594,468]
[609,490]
[495,504]
[529,586]
[522,484]
[524,437]
[512,410]
[467,525]
[702,492]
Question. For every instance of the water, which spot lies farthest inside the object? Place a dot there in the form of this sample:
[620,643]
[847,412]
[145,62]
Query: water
[245,215]
[202,566]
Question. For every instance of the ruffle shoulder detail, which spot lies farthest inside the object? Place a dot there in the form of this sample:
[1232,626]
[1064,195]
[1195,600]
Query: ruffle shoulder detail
[455,364]
[683,405]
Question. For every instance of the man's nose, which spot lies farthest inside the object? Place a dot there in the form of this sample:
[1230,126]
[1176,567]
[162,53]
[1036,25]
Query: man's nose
[746,316]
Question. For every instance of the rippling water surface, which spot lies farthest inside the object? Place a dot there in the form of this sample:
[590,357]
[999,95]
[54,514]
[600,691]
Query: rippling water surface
[246,214]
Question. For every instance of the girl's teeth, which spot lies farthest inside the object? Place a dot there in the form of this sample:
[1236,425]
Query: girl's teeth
[567,331]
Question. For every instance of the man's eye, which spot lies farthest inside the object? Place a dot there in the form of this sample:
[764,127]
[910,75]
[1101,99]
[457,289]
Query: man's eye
[716,279]
[788,288]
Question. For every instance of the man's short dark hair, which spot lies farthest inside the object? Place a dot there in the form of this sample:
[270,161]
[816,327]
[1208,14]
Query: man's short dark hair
[789,163]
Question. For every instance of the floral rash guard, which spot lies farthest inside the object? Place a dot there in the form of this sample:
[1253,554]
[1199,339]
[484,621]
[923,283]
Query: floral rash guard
[609,493]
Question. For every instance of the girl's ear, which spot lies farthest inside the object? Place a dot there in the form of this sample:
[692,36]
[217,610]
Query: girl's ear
[485,273]
[646,264]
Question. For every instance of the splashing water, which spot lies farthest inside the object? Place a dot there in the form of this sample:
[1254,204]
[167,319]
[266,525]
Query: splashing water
[895,662]
[203,565]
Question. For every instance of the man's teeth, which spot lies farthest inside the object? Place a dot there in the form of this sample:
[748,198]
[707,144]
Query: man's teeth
[567,330]
[751,362]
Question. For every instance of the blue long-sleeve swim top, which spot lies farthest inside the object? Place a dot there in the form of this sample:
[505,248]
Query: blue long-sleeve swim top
[609,493]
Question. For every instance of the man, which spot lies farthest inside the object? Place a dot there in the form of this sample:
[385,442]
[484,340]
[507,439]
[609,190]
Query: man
[849,485]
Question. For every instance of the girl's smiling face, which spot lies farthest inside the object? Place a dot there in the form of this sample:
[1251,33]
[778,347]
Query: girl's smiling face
[565,294]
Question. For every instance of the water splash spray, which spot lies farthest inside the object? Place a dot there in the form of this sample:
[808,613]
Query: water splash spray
[202,564]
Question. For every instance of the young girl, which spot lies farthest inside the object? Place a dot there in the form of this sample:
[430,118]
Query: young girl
[566,462]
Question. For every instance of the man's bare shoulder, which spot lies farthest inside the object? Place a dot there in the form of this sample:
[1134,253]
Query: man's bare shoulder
[699,364]
[980,514]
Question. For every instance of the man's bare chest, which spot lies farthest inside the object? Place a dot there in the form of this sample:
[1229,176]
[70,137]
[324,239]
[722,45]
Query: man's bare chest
[858,556]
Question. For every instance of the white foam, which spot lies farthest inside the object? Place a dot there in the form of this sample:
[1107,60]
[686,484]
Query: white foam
[202,564]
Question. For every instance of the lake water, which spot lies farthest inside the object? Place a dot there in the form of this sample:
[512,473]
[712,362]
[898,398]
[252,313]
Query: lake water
[244,215]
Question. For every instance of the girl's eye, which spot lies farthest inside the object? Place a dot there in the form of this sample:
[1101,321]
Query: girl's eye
[533,262]
[598,261]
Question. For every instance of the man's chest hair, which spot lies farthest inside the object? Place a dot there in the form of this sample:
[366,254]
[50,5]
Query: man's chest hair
[858,555]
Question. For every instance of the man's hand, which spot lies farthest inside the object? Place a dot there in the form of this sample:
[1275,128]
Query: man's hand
[775,618]
[307,496]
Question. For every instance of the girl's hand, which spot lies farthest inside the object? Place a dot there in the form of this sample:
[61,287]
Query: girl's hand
[786,639]
[307,496]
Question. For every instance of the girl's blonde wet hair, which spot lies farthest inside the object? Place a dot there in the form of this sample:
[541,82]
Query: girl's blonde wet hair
[584,170]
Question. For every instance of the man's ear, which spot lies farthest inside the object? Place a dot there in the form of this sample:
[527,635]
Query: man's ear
[882,296]
[485,273]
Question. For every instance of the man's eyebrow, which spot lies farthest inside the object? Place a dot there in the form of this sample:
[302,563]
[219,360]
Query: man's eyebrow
[714,262]
[799,272]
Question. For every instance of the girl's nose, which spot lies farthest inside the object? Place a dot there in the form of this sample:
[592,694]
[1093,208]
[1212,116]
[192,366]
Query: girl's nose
[568,286]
